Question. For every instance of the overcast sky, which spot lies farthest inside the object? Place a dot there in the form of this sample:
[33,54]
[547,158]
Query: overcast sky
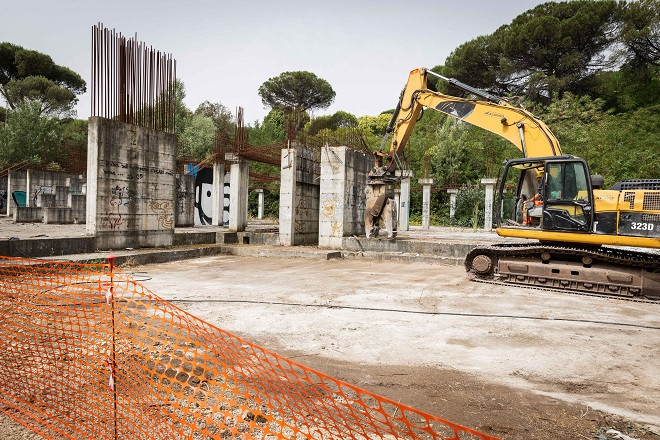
[226,49]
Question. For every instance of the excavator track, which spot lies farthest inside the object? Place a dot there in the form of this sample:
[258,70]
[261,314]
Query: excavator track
[638,299]
[601,271]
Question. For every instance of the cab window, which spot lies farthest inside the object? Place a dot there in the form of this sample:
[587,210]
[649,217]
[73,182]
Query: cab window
[567,202]
[567,181]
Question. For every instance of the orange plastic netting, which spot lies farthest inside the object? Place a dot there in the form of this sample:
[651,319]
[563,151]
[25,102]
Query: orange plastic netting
[88,353]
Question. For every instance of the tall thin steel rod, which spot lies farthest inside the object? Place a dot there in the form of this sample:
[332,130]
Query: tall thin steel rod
[132,82]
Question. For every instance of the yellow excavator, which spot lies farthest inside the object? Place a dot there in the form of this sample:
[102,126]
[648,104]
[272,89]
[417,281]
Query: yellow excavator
[588,238]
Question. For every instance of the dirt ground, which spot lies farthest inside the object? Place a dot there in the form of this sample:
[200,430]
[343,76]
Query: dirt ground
[512,362]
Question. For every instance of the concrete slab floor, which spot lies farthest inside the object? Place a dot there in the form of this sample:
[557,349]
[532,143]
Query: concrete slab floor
[10,229]
[513,362]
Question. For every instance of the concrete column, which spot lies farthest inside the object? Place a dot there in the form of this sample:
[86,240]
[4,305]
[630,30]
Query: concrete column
[28,183]
[342,194]
[397,203]
[426,202]
[452,202]
[238,191]
[260,197]
[185,200]
[217,211]
[488,214]
[299,196]
[10,201]
[404,200]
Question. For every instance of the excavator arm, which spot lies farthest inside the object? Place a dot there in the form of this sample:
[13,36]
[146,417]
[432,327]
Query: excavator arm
[530,135]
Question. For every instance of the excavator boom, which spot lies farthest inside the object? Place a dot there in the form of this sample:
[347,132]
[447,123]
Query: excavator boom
[529,134]
[514,124]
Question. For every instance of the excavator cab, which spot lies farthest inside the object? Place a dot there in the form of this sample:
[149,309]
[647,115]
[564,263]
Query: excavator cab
[546,193]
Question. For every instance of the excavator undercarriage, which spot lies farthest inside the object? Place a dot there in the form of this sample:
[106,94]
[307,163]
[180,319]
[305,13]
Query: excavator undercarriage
[598,270]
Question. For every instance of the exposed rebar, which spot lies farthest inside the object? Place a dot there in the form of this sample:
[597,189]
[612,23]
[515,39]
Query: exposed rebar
[131,82]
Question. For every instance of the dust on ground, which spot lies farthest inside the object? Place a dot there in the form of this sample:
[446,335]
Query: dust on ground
[513,362]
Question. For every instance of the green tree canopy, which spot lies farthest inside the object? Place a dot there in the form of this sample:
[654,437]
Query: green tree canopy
[640,31]
[182,114]
[299,91]
[221,116]
[475,62]
[550,47]
[198,138]
[339,119]
[545,50]
[28,75]
[29,135]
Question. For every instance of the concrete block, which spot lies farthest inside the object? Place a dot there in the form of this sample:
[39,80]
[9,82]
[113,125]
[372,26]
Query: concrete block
[260,204]
[46,247]
[130,185]
[192,238]
[46,200]
[26,214]
[218,194]
[452,201]
[342,198]
[299,192]
[426,202]
[58,215]
[185,200]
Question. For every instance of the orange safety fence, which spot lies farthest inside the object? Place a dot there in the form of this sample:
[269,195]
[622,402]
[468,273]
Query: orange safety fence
[86,352]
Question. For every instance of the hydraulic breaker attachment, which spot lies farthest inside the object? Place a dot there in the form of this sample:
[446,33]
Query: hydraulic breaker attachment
[380,208]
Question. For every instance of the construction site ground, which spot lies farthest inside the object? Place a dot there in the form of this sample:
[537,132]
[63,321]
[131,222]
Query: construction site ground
[513,362]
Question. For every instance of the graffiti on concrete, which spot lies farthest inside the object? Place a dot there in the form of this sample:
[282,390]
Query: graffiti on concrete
[130,171]
[225,213]
[300,220]
[336,229]
[164,210]
[118,198]
[357,198]
[204,196]
[180,194]
[41,190]
[329,207]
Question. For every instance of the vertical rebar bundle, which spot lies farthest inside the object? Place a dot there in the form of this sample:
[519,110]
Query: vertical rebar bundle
[131,82]
[242,133]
